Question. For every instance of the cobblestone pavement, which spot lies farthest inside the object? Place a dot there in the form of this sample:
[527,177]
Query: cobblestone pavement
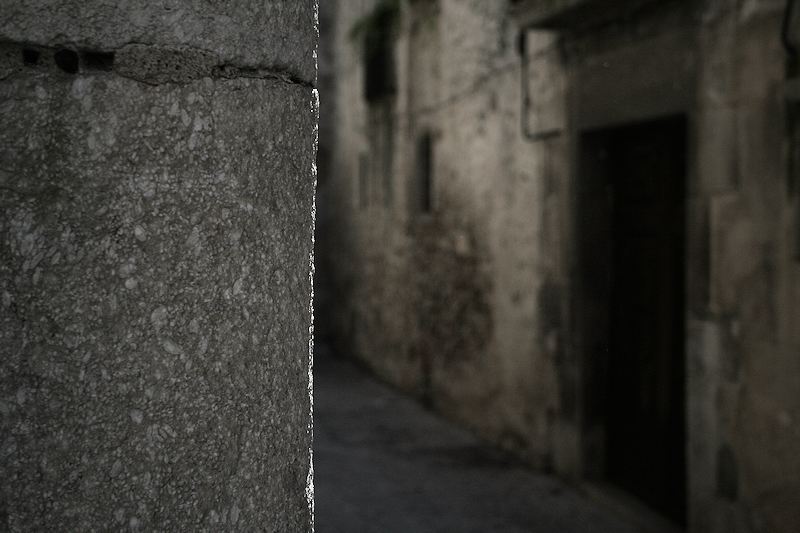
[384,464]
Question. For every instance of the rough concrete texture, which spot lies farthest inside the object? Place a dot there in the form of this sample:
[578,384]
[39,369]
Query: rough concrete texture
[270,34]
[155,300]
[156,64]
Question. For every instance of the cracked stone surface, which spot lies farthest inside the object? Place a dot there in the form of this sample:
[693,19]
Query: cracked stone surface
[272,33]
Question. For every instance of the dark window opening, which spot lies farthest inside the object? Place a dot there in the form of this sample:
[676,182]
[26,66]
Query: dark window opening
[363,181]
[422,185]
[379,78]
[379,67]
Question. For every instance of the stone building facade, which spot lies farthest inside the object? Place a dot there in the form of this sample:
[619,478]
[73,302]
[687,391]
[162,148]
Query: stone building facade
[573,226]
[157,189]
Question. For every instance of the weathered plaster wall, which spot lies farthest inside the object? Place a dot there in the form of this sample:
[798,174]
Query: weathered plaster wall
[156,241]
[445,302]
[500,213]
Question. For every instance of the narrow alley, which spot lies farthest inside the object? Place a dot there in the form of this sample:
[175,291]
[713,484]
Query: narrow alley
[382,463]
[573,226]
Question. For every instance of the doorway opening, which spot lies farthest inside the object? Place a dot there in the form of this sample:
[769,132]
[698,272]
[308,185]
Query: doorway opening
[631,272]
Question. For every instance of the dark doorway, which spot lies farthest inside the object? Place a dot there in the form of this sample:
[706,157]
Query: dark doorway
[632,264]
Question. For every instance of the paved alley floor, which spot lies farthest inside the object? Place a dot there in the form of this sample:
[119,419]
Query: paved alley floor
[384,464]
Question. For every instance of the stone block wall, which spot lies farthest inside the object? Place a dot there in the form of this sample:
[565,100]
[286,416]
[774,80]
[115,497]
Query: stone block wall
[157,190]
[744,399]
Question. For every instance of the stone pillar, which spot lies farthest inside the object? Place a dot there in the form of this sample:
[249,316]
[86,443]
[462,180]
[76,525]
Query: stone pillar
[156,192]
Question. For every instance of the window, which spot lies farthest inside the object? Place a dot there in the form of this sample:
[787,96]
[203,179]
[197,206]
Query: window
[363,181]
[420,193]
[376,31]
[378,49]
